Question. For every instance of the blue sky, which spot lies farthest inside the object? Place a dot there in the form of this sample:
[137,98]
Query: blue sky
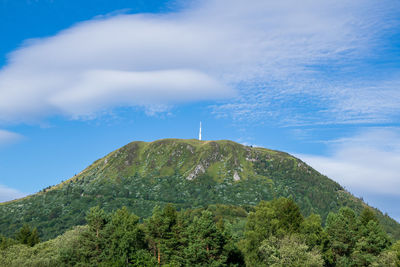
[320,80]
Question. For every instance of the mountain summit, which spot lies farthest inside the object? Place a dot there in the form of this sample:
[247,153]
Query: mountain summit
[189,174]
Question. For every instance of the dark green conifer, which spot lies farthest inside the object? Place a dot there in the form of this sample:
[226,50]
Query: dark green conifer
[27,236]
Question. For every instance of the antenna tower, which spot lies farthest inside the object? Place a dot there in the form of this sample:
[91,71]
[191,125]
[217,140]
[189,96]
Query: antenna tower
[200,132]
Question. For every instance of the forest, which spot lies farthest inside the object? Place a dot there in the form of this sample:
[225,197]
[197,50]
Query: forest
[141,176]
[274,233]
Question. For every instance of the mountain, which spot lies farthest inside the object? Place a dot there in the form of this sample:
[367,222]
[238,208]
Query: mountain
[187,173]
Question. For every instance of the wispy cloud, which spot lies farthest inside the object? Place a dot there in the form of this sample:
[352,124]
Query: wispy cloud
[287,61]
[368,163]
[7,193]
[353,102]
[7,137]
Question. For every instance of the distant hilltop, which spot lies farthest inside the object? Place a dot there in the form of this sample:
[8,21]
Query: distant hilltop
[189,173]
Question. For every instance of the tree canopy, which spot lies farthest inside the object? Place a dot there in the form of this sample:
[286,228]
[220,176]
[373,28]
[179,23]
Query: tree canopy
[275,234]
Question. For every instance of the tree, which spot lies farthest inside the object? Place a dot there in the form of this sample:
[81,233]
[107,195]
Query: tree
[74,248]
[159,232]
[372,239]
[92,241]
[312,231]
[396,249]
[27,236]
[277,218]
[33,238]
[108,240]
[206,241]
[387,259]
[288,214]
[124,239]
[6,242]
[367,215]
[342,231]
[96,219]
[288,251]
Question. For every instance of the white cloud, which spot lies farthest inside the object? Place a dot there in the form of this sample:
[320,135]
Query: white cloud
[101,89]
[128,60]
[7,193]
[270,52]
[7,137]
[367,164]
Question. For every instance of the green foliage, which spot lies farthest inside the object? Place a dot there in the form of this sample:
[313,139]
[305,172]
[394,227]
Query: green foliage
[393,253]
[143,175]
[372,239]
[276,234]
[160,233]
[43,254]
[288,251]
[355,241]
[274,238]
[96,219]
[202,179]
[118,239]
[6,242]
[396,248]
[342,229]
[192,238]
[276,218]
[387,259]
[27,236]
[74,247]
[312,232]
[367,215]
[124,238]
[206,242]
[110,240]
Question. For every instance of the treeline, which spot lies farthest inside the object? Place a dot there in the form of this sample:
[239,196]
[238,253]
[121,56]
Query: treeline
[278,235]
[275,234]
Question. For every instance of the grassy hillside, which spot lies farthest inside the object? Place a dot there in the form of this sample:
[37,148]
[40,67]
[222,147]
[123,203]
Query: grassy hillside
[188,173]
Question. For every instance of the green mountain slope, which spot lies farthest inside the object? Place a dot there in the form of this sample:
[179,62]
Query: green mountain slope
[188,173]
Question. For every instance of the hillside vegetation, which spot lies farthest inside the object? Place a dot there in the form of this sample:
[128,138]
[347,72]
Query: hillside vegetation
[275,234]
[188,173]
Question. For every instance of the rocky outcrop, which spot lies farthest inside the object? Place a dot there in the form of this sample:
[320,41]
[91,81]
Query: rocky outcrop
[197,170]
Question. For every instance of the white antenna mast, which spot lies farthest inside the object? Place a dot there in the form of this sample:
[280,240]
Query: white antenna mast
[200,132]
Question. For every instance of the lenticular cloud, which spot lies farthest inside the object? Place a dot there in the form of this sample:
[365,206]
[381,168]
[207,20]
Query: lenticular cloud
[205,52]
